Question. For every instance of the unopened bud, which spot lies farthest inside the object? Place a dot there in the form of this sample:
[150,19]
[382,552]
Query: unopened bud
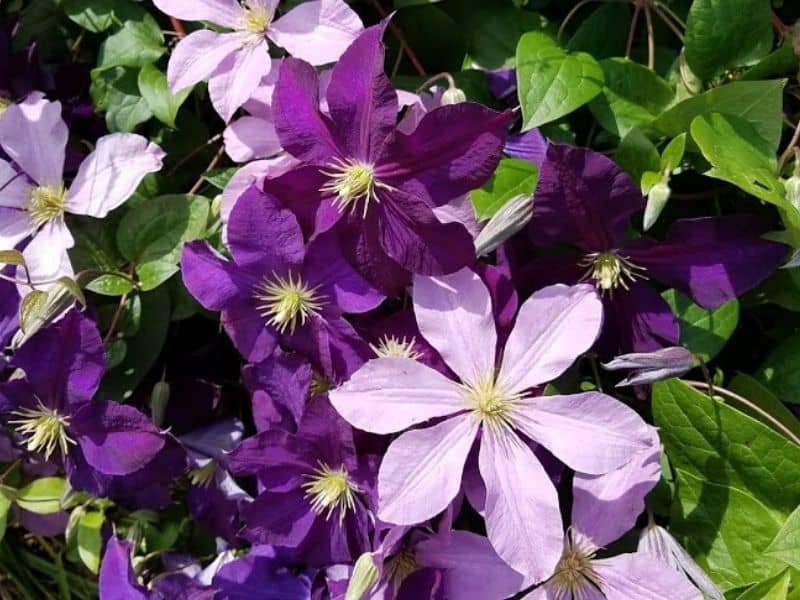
[365,575]
[656,201]
[453,95]
[158,402]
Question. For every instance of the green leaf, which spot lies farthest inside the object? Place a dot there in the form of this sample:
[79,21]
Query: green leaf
[512,178]
[5,506]
[758,102]
[219,178]
[135,45]
[782,62]
[722,34]
[90,541]
[42,496]
[553,83]
[786,544]
[672,155]
[780,373]
[750,388]
[636,154]
[604,32]
[704,332]
[633,96]
[110,285]
[160,100]
[116,91]
[93,15]
[774,588]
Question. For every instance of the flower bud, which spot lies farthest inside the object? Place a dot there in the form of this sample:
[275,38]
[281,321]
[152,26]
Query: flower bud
[792,184]
[453,95]
[656,201]
[365,575]
[158,402]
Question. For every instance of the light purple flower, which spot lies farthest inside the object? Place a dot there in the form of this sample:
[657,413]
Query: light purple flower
[36,198]
[421,472]
[235,62]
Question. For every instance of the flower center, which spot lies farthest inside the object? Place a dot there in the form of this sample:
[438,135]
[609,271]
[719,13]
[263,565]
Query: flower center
[330,489]
[47,203]
[285,302]
[610,270]
[352,181]
[256,20]
[203,476]
[490,404]
[319,385]
[42,429]
[390,346]
[574,576]
[400,566]
[4,104]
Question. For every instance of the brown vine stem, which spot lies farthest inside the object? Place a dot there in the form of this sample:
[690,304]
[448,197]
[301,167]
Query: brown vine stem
[398,33]
[193,153]
[632,30]
[178,27]
[754,407]
[651,38]
[788,151]
[214,162]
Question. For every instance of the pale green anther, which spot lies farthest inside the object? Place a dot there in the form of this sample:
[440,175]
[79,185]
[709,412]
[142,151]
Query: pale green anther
[365,575]
[256,20]
[4,104]
[287,302]
[610,270]
[453,95]
[390,346]
[329,489]
[43,430]
[47,202]
[203,476]
[351,182]
[490,404]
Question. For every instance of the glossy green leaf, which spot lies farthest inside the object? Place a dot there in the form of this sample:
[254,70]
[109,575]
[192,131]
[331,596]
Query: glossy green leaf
[93,15]
[553,83]
[636,154]
[786,544]
[90,541]
[672,155]
[780,372]
[633,96]
[703,331]
[156,93]
[722,34]
[5,506]
[774,588]
[138,43]
[604,32]
[116,91]
[42,496]
[750,388]
[512,178]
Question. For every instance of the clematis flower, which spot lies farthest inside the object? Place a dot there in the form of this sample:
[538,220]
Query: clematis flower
[235,62]
[117,579]
[33,201]
[277,289]
[52,410]
[649,367]
[9,310]
[585,200]
[377,185]
[421,472]
[316,491]
[264,573]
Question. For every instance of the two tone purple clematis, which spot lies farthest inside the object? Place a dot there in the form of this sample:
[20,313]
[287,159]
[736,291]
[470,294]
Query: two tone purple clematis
[236,61]
[33,195]
[491,404]
[584,200]
[277,289]
[375,185]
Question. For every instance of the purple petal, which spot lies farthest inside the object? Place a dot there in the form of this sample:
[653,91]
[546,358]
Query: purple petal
[237,77]
[712,259]
[303,130]
[216,283]
[454,149]
[111,173]
[15,226]
[222,12]
[279,519]
[361,100]
[523,520]
[421,471]
[198,55]
[332,345]
[279,386]
[318,31]
[258,576]
[530,146]
[248,331]
[15,188]
[115,439]
[640,576]
[117,577]
[582,198]
[34,136]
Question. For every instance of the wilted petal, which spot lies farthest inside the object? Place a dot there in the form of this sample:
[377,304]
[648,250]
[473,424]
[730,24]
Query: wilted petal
[421,471]
[111,173]
[222,12]
[392,394]
[318,31]
[34,136]
[610,432]
[198,55]
[215,282]
[640,577]
[249,138]
[237,77]
[115,439]
[523,520]
[454,314]
[117,578]
[554,326]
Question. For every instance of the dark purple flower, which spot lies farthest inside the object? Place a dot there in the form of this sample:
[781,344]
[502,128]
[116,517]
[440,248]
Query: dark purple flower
[583,199]
[9,311]
[52,408]
[315,490]
[280,387]
[117,578]
[378,185]
[277,289]
[263,574]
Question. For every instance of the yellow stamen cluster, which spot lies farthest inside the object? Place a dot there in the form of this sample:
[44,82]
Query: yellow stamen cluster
[611,270]
[287,301]
[319,385]
[390,346]
[4,104]
[400,566]
[256,20]
[43,430]
[352,181]
[47,203]
[329,489]
[491,405]
[574,576]
[203,476]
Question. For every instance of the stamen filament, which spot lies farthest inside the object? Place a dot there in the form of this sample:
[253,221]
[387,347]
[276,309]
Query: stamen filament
[390,346]
[43,429]
[352,181]
[330,489]
[287,301]
[611,270]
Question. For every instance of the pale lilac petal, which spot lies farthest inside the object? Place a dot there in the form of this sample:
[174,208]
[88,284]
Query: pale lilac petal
[249,138]
[392,394]
[46,256]
[15,226]
[198,55]
[222,12]
[318,31]
[261,99]
[110,174]
[237,77]
[15,188]
[454,314]
[523,520]
[610,433]
[554,326]
[34,136]
[640,576]
[421,471]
